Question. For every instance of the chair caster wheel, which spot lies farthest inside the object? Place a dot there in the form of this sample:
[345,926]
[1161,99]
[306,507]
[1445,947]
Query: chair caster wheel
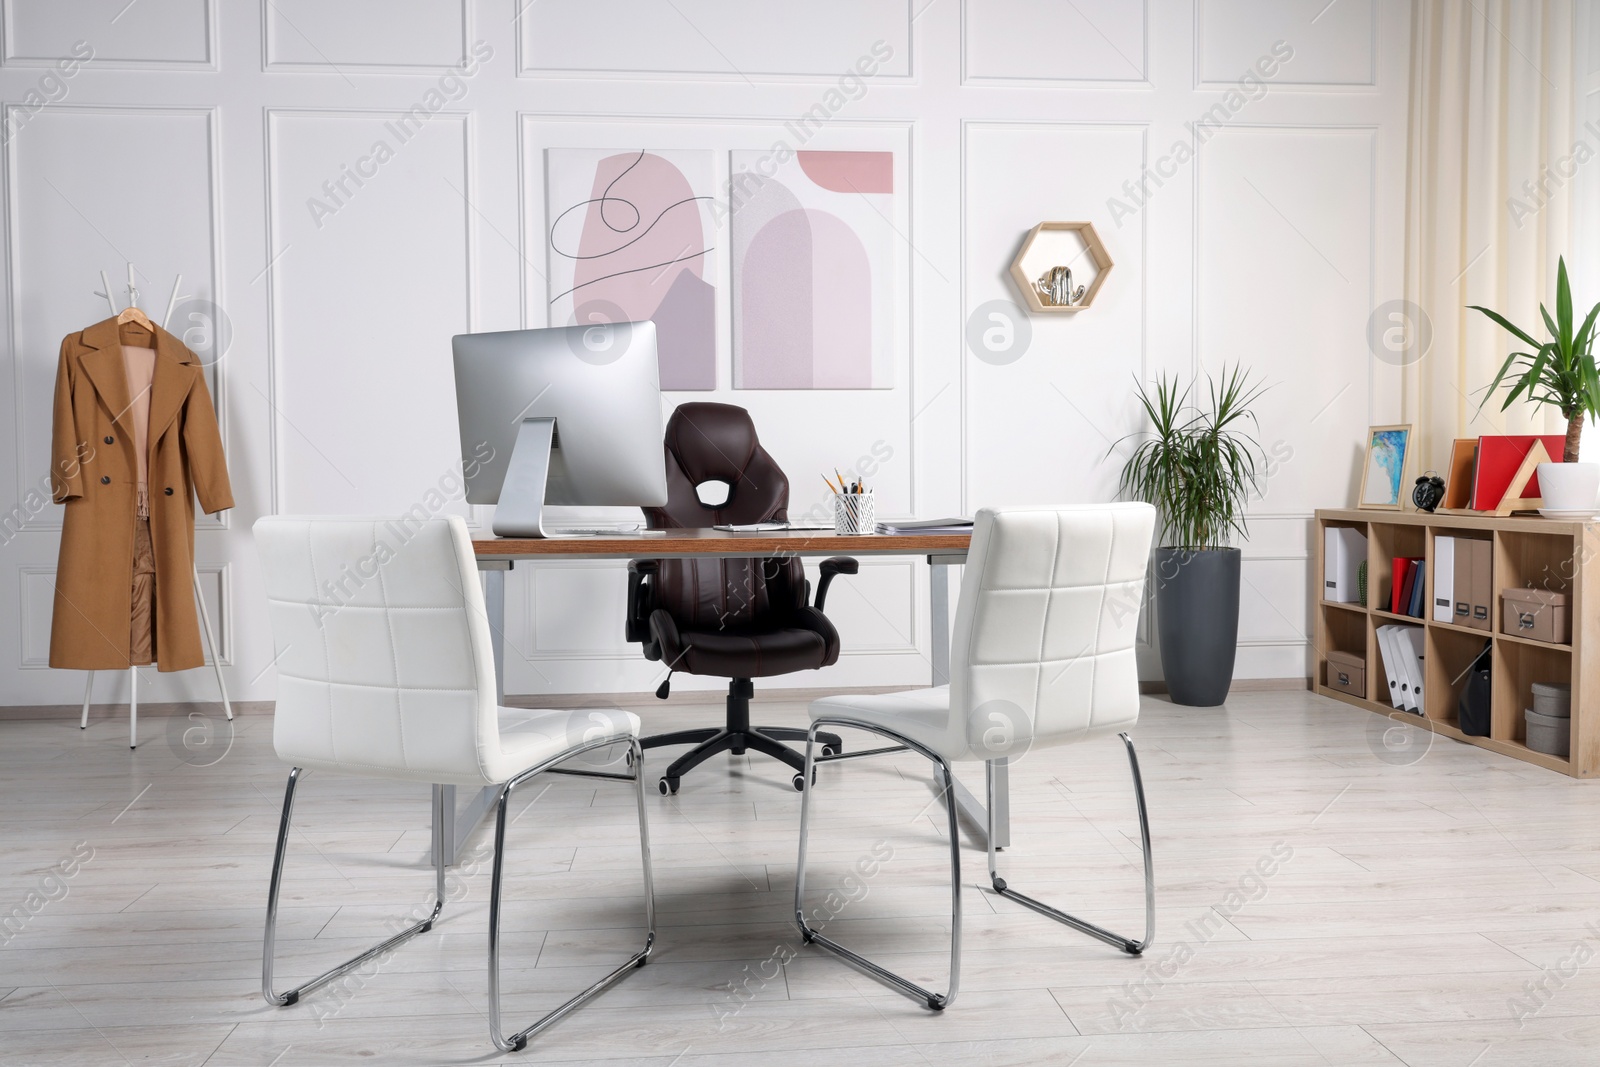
[627,759]
[829,750]
[668,786]
[800,781]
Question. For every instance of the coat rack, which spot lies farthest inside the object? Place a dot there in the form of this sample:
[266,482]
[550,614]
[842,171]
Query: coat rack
[205,616]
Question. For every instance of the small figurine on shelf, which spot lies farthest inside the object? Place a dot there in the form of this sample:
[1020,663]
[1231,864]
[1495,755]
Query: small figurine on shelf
[1055,287]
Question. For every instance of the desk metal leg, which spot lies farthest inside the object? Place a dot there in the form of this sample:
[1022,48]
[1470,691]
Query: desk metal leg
[939,613]
[494,604]
[939,610]
[453,821]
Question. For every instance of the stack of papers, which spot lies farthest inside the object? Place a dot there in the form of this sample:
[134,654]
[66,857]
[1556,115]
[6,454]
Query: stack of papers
[926,526]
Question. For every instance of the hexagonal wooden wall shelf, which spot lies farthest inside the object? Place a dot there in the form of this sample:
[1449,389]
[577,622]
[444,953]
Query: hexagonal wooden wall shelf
[1060,244]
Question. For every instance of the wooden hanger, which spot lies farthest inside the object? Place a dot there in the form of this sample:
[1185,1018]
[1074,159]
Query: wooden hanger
[133,316]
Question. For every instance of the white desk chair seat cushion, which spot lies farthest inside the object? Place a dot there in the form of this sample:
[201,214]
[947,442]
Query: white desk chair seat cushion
[382,672]
[921,714]
[1043,650]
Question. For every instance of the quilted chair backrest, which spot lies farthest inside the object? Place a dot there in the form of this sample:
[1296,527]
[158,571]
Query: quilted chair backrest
[383,654]
[1043,650]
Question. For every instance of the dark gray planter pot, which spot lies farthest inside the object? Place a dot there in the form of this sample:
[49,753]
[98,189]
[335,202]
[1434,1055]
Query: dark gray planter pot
[1197,612]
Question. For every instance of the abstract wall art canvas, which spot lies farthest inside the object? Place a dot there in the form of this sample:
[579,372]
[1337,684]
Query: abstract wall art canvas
[814,270]
[632,236]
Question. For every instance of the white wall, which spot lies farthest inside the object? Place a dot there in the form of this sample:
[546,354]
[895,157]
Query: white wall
[193,139]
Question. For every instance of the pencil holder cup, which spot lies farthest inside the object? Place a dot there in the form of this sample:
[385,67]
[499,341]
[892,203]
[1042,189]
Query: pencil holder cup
[852,514]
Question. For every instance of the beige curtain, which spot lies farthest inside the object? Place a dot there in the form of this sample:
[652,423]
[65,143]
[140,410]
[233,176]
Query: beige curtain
[1493,155]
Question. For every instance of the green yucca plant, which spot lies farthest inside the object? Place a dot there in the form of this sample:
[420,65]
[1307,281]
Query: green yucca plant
[1560,371]
[1198,465]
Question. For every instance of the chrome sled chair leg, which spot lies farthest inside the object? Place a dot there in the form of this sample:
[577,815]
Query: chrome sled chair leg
[934,1001]
[1132,948]
[519,1040]
[270,940]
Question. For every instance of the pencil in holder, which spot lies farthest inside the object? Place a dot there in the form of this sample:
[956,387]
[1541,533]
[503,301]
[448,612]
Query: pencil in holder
[853,514]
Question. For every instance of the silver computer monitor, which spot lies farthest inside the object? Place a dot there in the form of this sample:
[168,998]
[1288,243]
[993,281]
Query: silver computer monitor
[569,415]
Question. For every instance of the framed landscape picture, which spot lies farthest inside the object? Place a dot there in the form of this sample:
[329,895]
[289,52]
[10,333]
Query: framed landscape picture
[1383,475]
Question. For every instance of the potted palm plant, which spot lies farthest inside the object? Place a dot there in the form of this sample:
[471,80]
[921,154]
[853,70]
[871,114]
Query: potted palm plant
[1197,465]
[1559,372]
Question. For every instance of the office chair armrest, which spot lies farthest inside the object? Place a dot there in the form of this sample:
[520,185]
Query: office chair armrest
[641,601]
[664,642]
[831,566]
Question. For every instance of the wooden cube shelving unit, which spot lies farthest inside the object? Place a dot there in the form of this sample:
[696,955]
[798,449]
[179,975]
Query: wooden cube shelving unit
[1529,552]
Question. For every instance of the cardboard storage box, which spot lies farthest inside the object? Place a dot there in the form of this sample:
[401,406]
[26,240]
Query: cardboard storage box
[1535,613]
[1347,672]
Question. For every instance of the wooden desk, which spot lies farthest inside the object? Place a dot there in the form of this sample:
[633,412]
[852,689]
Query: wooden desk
[496,556]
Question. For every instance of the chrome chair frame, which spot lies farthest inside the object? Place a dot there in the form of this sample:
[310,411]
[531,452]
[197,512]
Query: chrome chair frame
[269,941]
[936,1001]
[1132,948]
[519,1040]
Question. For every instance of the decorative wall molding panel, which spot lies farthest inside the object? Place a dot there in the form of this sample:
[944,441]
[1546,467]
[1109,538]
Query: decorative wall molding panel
[36,601]
[721,39]
[66,223]
[372,265]
[118,35]
[339,38]
[1334,45]
[347,200]
[1070,45]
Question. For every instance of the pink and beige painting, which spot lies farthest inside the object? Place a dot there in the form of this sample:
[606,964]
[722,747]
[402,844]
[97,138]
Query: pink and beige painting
[814,253]
[632,237]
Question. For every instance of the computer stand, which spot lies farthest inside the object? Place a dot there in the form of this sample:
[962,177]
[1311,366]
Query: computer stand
[736,736]
[520,512]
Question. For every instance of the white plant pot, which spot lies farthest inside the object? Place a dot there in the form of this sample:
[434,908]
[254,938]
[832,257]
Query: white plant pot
[1569,486]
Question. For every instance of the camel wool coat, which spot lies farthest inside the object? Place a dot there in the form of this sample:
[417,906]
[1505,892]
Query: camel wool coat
[94,472]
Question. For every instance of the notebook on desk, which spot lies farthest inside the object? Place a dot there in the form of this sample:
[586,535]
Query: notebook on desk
[926,526]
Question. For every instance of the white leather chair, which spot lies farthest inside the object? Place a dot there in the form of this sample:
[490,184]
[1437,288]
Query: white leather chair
[1043,655]
[385,669]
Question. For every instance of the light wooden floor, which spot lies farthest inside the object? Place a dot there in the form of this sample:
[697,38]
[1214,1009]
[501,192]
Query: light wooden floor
[1413,897]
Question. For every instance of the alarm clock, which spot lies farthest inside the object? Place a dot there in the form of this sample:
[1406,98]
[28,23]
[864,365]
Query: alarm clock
[1429,492]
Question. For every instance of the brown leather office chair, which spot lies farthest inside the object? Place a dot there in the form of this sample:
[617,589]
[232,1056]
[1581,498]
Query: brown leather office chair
[728,618]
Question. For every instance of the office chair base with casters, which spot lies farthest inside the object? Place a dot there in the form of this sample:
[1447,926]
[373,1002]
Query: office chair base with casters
[736,737]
